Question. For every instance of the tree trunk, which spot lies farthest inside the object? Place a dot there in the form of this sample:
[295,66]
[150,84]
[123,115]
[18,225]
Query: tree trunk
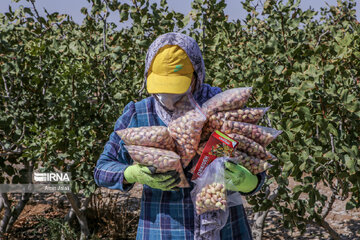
[330,230]
[1,204]
[258,225]
[324,224]
[69,216]
[259,217]
[18,209]
[7,215]
[80,214]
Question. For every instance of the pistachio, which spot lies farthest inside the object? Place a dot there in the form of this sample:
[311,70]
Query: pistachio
[253,164]
[163,160]
[186,131]
[251,147]
[211,197]
[153,136]
[228,100]
[262,135]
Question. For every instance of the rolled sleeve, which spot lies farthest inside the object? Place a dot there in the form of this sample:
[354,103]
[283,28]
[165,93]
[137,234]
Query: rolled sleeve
[110,167]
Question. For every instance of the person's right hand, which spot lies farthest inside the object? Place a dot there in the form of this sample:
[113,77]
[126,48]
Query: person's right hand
[142,174]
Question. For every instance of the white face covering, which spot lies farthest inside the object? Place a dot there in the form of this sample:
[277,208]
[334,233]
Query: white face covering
[168,100]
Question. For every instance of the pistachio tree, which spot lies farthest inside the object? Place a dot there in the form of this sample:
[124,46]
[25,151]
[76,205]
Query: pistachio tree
[64,84]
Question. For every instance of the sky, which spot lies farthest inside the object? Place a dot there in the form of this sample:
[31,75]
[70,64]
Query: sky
[72,7]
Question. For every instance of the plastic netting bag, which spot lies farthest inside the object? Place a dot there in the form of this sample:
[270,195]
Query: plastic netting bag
[251,147]
[235,98]
[248,115]
[216,120]
[153,136]
[186,127]
[260,134]
[163,160]
[212,201]
[253,164]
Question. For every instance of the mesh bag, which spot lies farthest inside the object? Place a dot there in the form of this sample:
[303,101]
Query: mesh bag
[260,134]
[163,160]
[186,127]
[153,136]
[212,201]
[235,98]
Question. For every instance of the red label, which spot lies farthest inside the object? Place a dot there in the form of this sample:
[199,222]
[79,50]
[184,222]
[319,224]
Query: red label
[218,145]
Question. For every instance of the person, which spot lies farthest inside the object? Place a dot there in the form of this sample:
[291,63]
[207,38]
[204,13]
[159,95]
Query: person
[173,63]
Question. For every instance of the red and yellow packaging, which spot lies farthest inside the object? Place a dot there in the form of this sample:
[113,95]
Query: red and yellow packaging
[218,145]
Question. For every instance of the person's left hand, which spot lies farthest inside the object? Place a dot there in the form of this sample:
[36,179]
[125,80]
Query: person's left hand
[238,178]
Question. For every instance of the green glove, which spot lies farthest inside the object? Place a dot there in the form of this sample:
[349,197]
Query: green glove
[142,174]
[238,178]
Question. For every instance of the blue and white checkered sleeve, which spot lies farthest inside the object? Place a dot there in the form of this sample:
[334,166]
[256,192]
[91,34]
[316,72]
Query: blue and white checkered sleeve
[110,167]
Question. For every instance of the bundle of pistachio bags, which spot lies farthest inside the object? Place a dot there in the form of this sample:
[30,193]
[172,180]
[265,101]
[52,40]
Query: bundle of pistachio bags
[173,147]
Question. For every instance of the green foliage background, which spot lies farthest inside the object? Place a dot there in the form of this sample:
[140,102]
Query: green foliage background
[63,85]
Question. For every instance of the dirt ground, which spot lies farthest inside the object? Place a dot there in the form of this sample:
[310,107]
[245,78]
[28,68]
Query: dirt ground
[346,223]
[51,206]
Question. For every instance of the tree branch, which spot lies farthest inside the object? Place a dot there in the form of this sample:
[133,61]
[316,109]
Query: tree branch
[15,213]
[36,11]
[9,153]
[6,88]
[329,206]
[319,39]
[330,230]
[327,227]
[258,225]
[17,210]
[1,203]
[268,122]
[105,26]
[332,143]
[203,29]
[74,201]
[324,165]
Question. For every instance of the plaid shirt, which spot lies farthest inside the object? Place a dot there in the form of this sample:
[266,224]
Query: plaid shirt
[164,214]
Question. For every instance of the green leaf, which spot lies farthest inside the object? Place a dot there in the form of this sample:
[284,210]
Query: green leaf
[186,19]
[18,131]
[350,205]
[357,54]
[278,69]
[288,166]
[346,40]
[307,85]
[293,90]
[63,155]
[270,46]
[329,67]
[350,164]
[303,166]
[118,96]
[124,15]
[144,19]
[332,129]
[353,107]
[329,155]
